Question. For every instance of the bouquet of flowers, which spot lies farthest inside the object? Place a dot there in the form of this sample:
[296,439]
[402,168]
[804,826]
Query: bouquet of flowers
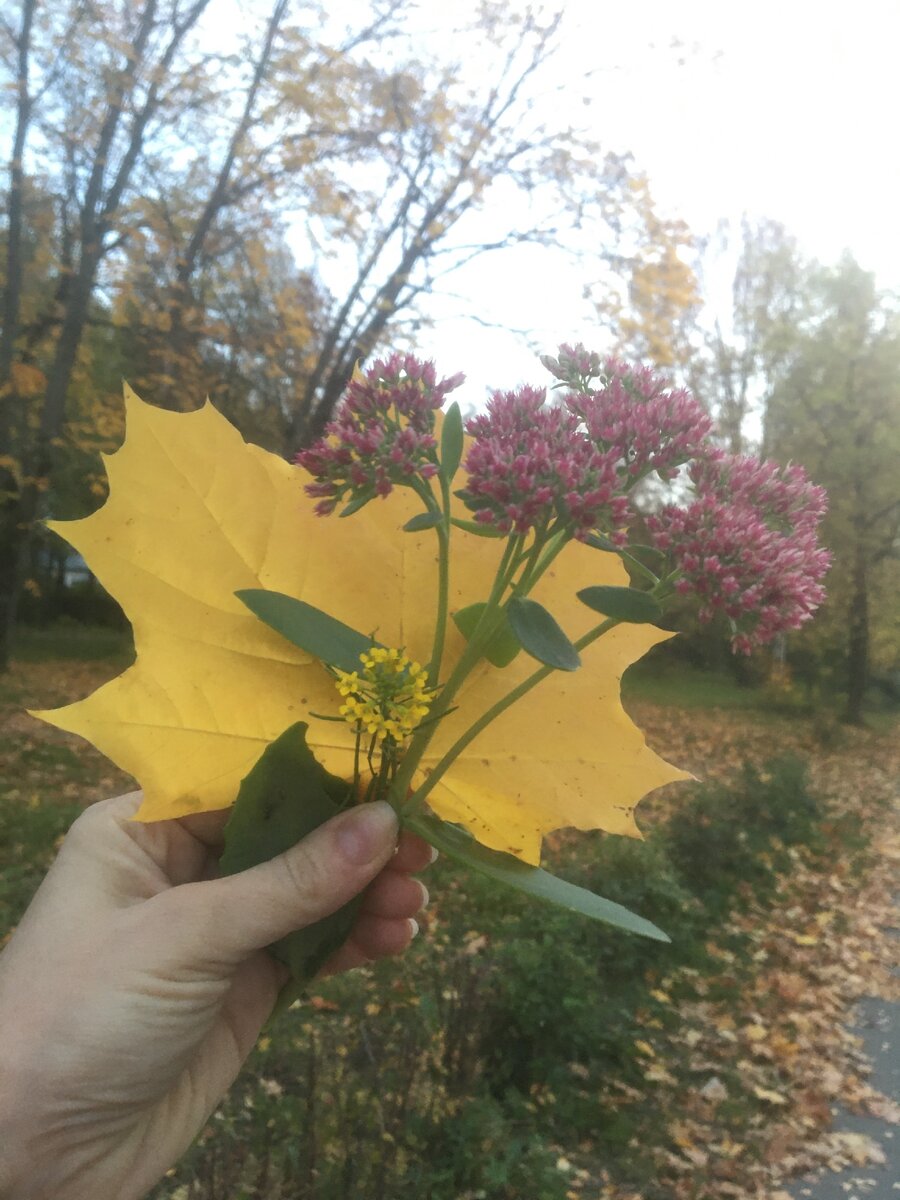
[428,611]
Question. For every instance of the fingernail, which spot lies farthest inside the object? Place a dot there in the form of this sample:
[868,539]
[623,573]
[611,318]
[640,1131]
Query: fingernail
[414,927]
[364,832]
[434,855]
[425,894]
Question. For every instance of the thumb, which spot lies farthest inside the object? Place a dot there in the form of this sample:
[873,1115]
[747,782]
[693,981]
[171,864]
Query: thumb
[238,914]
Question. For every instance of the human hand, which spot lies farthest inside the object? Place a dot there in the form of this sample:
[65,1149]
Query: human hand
[136,984]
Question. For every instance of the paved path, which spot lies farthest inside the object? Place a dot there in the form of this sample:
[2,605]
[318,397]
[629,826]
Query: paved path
[878,1024]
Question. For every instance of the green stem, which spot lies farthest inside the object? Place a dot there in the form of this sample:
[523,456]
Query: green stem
[440,628]
[665,587]
[534,571]
[467,660]
[418,798]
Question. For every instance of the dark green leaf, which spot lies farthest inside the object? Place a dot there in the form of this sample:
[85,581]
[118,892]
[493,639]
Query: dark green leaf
[541,636]
[477,528]
[601,543]
[425,520]
[653,551]
[503,645]
[504,868]
[472,503]
[286,796]
[356,504]
[623,603]
[451,441]
[307,627]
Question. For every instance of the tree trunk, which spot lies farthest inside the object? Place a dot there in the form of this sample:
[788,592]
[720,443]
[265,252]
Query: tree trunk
[98,209]
[25,510]
[12,292]
[858,641]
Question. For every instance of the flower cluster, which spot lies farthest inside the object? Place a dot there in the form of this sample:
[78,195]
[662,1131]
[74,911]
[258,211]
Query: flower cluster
[388,698]
[530,465]
[576,367]
[382,434]
[748,545]
[650,425]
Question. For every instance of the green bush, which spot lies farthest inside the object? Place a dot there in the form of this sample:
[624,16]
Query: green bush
[564,989]
[352,1108]
[486,1149]
[738,833]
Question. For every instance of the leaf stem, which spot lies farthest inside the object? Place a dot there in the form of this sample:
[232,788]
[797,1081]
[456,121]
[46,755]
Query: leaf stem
[443,605]
[467,660]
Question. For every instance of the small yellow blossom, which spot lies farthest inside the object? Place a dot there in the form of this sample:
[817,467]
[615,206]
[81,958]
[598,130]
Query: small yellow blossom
[389,698]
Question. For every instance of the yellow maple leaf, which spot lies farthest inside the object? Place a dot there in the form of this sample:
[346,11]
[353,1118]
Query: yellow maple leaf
[195,513]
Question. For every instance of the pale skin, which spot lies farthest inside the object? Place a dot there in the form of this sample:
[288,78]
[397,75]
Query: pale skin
[137,983]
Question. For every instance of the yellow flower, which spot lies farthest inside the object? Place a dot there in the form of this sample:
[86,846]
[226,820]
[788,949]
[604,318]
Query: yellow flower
[390,699]
[194,514]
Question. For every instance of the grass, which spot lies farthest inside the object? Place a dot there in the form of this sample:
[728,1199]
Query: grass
[69,641]
[688,687]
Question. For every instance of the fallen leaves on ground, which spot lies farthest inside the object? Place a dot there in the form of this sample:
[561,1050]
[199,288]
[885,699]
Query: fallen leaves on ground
[44,765]
[753,1069]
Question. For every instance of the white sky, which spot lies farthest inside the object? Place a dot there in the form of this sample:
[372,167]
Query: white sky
[781,109]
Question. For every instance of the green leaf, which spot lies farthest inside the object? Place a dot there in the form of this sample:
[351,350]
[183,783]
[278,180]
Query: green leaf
[541,636]
[504,868]
[601,543]
[477,528]
[503,645]
[623,603]
[451,441]
[307,627]
[356,504]
[653,551]
[287,795]
[425,520]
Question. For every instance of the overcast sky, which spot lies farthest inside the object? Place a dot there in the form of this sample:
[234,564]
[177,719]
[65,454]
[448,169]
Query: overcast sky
[784,109]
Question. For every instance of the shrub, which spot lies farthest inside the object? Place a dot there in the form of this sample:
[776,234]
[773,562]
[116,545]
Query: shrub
[737,833]
[564,989]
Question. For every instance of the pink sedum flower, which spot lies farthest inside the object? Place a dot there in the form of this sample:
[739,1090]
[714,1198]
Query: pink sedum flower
[532,463]
[636,413]
[531,466]
[575,366]
[382,434]
[748,547]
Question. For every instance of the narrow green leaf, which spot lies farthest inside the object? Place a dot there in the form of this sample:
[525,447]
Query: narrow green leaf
[307,627]
[503,645]
[599,542]
[653,551]
[287,795]
[451,441]
[425,520]
[477,528]
[504,868]
[623,603]
[356,504]
[541,636]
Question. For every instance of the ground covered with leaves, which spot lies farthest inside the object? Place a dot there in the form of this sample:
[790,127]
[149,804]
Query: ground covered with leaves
[520,1052]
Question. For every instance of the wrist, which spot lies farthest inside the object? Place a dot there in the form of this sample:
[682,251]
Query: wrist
[38,1158]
